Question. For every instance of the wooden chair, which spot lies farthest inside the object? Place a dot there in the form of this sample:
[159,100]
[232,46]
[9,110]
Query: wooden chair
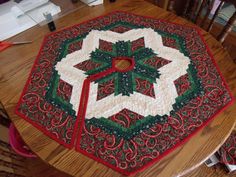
[11,164]
[14,165]
[192,6]
[4,118]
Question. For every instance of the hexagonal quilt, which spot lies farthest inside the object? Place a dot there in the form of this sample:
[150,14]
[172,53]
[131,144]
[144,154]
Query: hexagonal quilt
[123,89]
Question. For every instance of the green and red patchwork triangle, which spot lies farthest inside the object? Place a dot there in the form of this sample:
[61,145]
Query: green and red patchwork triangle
[124,91]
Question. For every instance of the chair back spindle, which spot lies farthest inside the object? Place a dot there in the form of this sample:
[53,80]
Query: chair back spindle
[209,8]
[227,28]
[203,4]
[214,16]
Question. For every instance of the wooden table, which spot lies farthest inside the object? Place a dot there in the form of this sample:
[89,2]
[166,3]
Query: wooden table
[15,65]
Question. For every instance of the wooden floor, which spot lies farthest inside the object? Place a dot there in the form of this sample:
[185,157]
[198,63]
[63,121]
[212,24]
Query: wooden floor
[38,167]
[204,171]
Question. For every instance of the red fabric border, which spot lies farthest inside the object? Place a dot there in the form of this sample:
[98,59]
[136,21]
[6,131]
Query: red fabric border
[28,119]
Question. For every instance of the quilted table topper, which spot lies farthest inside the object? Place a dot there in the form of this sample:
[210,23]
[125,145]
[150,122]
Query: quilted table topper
[123,89]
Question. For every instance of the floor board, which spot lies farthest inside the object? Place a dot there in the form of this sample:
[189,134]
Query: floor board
[204,171]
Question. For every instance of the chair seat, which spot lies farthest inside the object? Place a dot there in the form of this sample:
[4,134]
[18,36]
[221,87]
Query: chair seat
[18,144]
